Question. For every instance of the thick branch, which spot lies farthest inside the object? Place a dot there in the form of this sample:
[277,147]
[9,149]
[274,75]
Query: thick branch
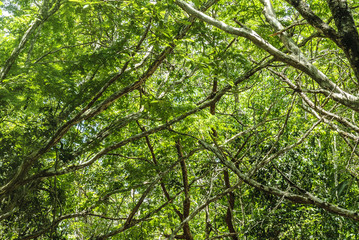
[346,38]
[231,200]
[187,200]
[295,61]
[348,34]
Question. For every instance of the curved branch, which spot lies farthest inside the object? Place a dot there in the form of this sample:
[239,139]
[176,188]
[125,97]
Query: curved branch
[306,198]
[295,61]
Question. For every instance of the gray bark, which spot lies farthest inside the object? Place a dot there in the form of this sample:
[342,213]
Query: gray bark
[295,60]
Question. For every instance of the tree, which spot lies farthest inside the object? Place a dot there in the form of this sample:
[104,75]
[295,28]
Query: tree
[179,120]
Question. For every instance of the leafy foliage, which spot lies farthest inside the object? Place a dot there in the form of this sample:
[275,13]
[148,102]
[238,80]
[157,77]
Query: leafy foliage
[163,119]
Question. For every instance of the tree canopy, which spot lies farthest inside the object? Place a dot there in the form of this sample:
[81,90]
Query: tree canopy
[174,119]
